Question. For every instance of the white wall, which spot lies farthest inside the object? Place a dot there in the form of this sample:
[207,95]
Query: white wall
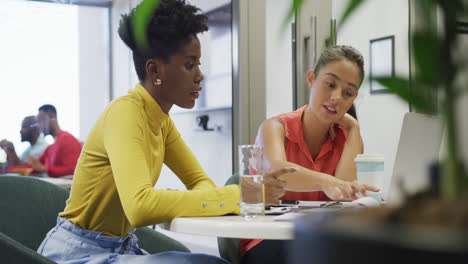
[380,115]
[278,59]
[216,63]
[213,149]
[93,30]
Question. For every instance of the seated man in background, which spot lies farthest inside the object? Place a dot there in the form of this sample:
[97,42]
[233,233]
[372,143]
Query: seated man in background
[29,132]
[60,158]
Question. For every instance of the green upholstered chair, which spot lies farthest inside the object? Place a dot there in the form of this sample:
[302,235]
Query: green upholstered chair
[154,242]
[13,252]
[229,247]
[29,209]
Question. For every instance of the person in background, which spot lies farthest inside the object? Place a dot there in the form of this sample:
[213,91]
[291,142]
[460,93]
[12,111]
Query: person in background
[113,188]
[60,158]
[320,140]
[30,132]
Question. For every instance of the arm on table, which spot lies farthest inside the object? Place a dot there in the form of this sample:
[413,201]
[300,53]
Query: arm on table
[142,204]
[181,161]
[69,150]
[12,157]
[38,164]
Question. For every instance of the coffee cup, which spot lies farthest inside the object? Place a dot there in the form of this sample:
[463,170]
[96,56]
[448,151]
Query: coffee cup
[370,170]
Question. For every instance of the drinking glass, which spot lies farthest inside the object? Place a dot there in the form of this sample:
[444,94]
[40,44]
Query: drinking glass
[252,201]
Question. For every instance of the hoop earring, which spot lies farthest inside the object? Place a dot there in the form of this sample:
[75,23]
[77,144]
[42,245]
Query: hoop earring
[157,82]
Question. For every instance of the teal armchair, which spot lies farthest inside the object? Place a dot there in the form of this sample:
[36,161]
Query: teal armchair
[154,242]
[229,247]
[29,209]
[13,252]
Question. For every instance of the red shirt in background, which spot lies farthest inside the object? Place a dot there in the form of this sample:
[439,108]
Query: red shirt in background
[61,157]
[297,152]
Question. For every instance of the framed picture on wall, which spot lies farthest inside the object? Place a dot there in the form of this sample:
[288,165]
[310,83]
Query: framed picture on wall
[381,62]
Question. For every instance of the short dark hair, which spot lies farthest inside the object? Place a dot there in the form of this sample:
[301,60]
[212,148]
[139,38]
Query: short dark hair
[341,52]
[170,26]
[49,109]
[31,119]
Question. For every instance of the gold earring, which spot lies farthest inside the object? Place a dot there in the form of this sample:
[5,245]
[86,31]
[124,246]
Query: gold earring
[157,82]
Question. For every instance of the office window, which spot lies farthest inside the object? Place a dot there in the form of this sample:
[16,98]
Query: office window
[45,58]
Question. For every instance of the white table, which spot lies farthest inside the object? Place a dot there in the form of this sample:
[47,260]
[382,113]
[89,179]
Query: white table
[233,226]
[261,227]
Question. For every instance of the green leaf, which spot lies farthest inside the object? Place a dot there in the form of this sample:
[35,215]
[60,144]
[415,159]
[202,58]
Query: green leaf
[295,7]
[401,88]
[140,23]
[352,6]
[426,50]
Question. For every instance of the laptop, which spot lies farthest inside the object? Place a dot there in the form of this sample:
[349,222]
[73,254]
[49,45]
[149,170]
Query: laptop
[418,147]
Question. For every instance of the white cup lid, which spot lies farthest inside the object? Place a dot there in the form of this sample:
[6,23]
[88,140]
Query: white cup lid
[369,158]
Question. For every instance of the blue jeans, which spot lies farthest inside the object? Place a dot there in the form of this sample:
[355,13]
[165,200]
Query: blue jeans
[67,243]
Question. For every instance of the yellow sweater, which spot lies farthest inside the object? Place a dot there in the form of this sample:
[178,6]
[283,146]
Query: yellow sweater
[113,187]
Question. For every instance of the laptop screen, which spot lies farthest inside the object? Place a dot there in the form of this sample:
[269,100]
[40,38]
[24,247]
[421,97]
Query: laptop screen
[418,147]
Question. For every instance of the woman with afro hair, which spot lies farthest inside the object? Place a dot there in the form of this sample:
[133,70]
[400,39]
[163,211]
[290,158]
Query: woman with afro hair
[113,187]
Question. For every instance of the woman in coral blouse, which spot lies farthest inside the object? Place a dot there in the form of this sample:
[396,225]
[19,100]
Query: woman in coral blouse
[319,139]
